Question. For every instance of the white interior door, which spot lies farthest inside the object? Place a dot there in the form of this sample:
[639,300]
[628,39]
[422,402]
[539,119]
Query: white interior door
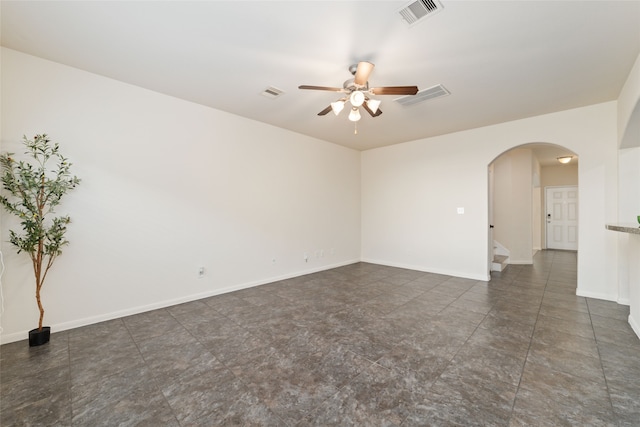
[562,217]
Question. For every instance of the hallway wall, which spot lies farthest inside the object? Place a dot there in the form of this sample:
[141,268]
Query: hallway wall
[628,248]
[513,204]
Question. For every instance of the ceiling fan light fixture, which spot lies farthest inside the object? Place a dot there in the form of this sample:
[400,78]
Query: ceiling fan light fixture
[373,105]
[356,91]
[337,107]
[354,115]
[356,98]
[565,159]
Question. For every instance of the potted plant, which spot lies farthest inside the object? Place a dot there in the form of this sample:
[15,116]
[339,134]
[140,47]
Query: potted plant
[34,189]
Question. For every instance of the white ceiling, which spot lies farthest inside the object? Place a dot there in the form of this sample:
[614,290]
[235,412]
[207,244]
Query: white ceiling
[501,60]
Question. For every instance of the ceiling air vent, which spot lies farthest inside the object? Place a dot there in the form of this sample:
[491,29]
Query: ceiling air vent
[272,92]
[416,11]
[423,95]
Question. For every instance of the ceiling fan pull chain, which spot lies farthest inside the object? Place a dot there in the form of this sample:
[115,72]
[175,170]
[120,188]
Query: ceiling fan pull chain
[355,130]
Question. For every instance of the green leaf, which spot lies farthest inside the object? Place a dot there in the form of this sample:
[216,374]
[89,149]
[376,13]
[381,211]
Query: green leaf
[32,188]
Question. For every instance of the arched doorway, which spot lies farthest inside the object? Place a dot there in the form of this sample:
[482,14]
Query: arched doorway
[519,215]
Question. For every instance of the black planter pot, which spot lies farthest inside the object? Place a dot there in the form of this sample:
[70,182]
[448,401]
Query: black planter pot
[38,337]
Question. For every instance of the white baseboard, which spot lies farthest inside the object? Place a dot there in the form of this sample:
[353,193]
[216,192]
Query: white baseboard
[597,295]
[64,326]
[520,262]
[634,325]
[484,278]
[623,301]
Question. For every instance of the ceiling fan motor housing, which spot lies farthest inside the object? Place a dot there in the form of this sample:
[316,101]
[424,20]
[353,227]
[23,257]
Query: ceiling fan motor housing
[357,91]
[350,85]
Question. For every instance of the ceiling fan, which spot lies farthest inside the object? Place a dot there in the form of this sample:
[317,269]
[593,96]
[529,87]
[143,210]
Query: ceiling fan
[358,92]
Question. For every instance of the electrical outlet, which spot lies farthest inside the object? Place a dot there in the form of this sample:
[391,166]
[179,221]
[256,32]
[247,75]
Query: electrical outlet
[200,272]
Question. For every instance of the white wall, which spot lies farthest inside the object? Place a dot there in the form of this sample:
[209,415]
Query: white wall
[502,189]
[410,196]
[628,211]
[629,244]
[629,190]
[560,175]
[168,186]
[513,204]
[522,219]
[410,193]
[536,202]
[629,109]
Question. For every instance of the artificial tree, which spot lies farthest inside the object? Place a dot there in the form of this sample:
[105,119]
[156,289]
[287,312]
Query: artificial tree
[34,190]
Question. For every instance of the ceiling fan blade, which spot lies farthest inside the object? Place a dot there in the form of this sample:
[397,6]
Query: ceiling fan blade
[332,89]
[394,90]
[376,114]
[362,73]
[325,111]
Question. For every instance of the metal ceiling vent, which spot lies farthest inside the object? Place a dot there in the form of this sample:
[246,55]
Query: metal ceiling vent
[272,92]
[433,92]
[416,11]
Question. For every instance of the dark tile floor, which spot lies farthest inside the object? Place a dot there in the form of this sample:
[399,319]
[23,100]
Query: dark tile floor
[361,345]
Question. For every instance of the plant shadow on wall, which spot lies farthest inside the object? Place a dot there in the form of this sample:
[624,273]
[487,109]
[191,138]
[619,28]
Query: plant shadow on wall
[34,189]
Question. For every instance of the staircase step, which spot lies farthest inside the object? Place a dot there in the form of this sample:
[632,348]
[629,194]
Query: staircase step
[500,262]
[499,259]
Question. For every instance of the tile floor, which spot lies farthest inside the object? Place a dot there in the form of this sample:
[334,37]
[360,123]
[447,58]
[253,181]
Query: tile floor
[361,345]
